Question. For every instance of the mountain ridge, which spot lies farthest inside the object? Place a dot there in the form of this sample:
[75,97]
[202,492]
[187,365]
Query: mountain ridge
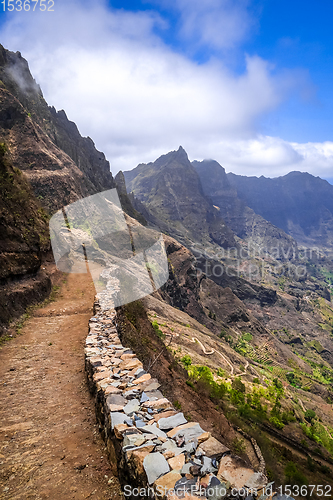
[298,202]
[170,189]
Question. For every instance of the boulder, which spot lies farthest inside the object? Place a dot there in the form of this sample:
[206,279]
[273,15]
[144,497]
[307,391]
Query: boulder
[212,448]
[233,469]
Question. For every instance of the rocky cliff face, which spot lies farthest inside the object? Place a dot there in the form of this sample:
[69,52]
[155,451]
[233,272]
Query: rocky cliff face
[24,244]
[298,203]
[244,221]
[48,165]
[170,190]
[61,165]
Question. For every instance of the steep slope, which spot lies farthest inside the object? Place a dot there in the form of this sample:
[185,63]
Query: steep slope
[24,244]
[170,190]
[48,164]
[60,165]
[298,203]
[251,373]
[246,224]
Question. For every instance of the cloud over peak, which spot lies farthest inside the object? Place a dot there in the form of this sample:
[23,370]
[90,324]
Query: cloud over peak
[138,98]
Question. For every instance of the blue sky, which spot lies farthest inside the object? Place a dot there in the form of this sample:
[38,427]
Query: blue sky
[248,83]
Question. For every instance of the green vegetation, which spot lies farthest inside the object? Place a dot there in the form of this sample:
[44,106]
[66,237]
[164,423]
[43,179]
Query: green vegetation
[251,403]
[319,434]
[238,445]
[316,345]
[21,322]
[309,415]
[5,338]
[294,380]
[293,475]
[159,332]
[186,360]
[226,337]
[276,422]
[3,149]
[177,405]
[243,345]
[221,373]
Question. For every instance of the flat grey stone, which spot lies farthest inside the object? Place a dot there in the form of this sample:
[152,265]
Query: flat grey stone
[144,445]
[153,429]
[132,430]
[144,398]
[283,497]
[155,466]
[154,395]
[117,418]
[183,485]
[190,447]
[132,406]
[116,399]
[190,433]
[130,394]
[133,440]
[186,468]
[152,387]
[207,466]
[170,445]
[172,422]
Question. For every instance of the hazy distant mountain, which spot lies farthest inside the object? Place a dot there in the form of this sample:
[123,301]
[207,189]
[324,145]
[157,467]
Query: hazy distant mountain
[245,223]
[298,203]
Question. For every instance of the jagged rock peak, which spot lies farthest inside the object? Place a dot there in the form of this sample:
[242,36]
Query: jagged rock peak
[14,71]
[120,182]
[211,170]
[179,155]
[181,152]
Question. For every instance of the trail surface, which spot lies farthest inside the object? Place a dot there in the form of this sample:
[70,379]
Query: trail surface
[50,446]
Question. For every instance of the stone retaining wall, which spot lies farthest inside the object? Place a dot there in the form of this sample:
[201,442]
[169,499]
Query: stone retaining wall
[158,453]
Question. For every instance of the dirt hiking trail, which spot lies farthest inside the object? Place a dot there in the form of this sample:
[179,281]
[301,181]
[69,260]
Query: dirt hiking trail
[50,446]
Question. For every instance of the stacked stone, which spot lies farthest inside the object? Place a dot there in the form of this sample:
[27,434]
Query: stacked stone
[156,448]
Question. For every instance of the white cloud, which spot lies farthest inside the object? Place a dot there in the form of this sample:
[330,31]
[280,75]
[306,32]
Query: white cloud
[138,99]
[215,24]
[268,156]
